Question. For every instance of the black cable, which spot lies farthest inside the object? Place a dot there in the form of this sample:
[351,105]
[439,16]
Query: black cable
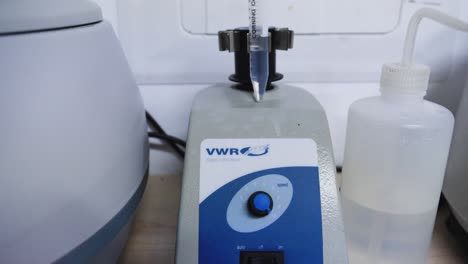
[154,125]
[167,138]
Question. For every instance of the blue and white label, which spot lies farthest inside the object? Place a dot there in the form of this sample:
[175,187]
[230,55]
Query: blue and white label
[286,172]
[224,160]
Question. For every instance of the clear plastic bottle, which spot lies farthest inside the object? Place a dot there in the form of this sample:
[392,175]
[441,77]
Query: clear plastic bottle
[396,152]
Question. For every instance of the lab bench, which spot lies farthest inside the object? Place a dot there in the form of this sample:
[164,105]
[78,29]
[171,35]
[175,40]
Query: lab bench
[154,232]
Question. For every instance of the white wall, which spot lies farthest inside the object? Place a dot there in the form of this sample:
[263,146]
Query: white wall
[170,104]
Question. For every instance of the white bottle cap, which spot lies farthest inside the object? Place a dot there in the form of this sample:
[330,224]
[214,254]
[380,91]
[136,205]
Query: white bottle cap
[406,78]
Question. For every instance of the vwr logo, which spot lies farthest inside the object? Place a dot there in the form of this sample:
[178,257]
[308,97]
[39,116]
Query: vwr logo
[248,151]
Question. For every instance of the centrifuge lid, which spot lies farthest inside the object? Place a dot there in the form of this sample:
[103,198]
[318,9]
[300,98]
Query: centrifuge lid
[21,16]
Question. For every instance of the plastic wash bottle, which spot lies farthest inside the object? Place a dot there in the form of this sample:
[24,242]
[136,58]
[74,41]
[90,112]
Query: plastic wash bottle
[396,152]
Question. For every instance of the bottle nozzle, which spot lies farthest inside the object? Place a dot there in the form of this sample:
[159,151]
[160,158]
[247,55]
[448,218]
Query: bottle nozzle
[407,77]
[413,27]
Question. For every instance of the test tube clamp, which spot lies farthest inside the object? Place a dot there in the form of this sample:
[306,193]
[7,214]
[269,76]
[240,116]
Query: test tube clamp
[237,41]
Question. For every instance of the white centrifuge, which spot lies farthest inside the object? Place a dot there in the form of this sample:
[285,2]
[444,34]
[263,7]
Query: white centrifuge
[73,141]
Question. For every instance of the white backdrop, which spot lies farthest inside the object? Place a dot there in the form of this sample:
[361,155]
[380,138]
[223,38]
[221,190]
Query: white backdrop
[168,86]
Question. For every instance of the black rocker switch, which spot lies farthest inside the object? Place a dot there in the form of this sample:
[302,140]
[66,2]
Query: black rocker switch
[261,257]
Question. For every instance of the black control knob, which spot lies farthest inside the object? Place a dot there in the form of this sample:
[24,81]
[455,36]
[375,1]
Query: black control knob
[260,204]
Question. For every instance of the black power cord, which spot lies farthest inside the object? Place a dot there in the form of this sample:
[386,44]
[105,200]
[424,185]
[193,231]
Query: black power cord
[178,145]
[167,138]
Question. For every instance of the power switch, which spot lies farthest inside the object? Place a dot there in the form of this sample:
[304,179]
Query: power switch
[261,257]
